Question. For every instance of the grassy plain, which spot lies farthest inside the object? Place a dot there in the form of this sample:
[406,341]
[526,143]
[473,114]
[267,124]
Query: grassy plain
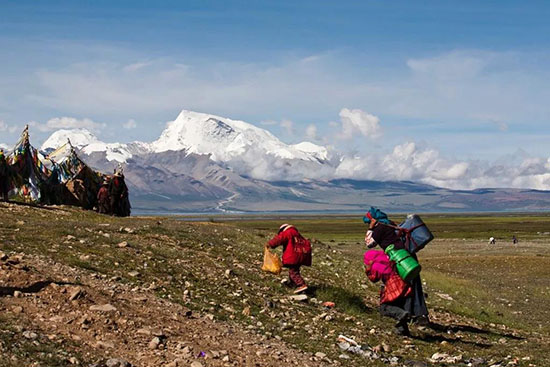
[487,301]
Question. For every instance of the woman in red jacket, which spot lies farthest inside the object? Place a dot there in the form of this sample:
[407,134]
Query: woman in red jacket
[296,252]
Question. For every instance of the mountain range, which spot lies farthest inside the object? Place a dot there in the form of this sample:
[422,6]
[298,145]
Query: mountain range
[207,163]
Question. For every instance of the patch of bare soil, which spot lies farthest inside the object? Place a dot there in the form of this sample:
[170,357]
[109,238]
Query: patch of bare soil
[105,323]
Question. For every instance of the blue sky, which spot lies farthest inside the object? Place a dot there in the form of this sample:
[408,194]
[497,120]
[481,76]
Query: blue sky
[467,79]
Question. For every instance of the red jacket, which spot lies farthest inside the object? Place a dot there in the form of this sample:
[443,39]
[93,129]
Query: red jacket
[296,249]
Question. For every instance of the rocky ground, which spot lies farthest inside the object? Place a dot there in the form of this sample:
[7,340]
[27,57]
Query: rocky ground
[77,288]
[98,319]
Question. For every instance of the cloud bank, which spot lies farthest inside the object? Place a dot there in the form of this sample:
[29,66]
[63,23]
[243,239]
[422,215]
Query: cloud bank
[68,123]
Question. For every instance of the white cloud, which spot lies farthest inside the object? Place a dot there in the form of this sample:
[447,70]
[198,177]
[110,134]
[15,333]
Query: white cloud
[357,121]
[130,124]
[288,126]
[136,66]
[454,65]
[502,126]
[67,123]
[311,132]
[7,128]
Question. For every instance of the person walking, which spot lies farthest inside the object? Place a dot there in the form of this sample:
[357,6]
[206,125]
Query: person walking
[394,294]
[118,194]
[383,233]
[296,253]
[103,201]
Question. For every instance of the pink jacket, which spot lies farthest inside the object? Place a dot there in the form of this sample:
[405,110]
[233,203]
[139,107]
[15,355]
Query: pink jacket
[378,265]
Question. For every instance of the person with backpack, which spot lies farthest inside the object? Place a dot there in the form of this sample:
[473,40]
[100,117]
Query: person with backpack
[382,232]
[296,253]
[394,294]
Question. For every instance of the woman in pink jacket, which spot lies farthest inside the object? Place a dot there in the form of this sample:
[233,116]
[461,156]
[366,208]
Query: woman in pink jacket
[394,294]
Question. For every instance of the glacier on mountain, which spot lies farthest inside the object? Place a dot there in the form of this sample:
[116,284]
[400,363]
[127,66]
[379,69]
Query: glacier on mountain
[225,139]
[237,145]
[88,143]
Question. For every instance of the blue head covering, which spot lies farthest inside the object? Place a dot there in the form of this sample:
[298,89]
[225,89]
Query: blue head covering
[376,214]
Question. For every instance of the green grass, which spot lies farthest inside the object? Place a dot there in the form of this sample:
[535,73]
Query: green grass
[17,351]
[178,257]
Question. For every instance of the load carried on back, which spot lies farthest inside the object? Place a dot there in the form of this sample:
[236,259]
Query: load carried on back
[412,231]
[402,296]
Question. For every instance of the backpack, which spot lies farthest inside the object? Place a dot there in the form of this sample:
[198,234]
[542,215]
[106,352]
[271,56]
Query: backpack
[302,250]
[414,233]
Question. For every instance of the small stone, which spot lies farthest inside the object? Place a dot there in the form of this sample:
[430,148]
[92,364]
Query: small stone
[154,343]
[73,360]
[105,308]
[17,294]
[76,293]
[298,297]
[344,345]
[17,309]
[439,356]
[57,319]
[106,345]
[3,256]
[225,358]
[477,362]
[320,355]
[343,356]
[123,244]
[196,364]
[20,222]
[133,274]
[228,273]
[386,347]
[117,362]
[70,237]
[30,335]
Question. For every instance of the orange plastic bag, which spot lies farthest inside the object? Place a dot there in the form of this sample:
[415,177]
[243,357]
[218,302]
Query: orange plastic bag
[272,263]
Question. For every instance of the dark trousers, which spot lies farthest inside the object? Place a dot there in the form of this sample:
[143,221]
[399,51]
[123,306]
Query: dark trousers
[295,276]
[416,304]
[396,311]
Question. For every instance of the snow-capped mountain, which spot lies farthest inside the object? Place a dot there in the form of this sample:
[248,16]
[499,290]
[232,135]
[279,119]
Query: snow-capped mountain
[242,147]
[88,143]
[79,138]
[203,162]
[226,139]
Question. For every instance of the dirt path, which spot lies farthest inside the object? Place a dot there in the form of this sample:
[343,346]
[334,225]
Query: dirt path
[101,318]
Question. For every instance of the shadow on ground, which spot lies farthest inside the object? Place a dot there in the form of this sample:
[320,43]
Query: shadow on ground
[343,298]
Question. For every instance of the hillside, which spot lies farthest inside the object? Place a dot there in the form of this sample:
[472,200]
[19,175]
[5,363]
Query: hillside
[81,288]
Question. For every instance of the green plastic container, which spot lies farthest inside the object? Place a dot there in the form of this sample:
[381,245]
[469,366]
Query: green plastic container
[407,267]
